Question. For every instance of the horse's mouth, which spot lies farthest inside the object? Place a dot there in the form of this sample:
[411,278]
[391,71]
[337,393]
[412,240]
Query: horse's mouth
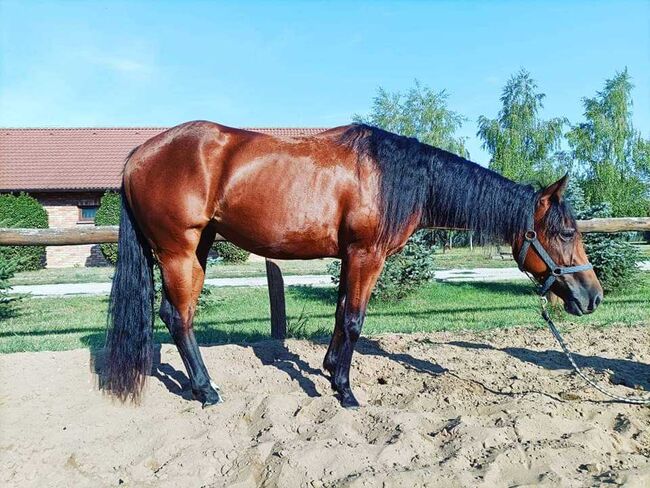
[574,308]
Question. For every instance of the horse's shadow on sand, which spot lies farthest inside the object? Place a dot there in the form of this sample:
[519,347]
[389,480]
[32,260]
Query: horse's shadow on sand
[174,380]
[273,353]
[270,353]
[276,354]
[623,371]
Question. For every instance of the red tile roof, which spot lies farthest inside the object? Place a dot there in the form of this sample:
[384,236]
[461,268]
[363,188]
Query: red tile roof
[78,158]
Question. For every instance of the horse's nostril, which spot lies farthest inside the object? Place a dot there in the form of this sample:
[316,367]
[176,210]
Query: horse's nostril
[595,301]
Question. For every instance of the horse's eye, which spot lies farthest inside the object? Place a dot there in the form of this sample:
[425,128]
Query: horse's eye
[567,234]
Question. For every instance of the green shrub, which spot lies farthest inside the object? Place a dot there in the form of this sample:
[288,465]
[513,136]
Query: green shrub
[614,260]
[23,211]
[403,273]
[108,213]
[613,256]
[230,253]
[7,268]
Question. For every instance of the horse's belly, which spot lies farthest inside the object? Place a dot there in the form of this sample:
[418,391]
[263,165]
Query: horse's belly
[284,208]
[277,236]
[284,226]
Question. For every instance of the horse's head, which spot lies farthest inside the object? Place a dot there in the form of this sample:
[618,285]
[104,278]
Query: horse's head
[565,269]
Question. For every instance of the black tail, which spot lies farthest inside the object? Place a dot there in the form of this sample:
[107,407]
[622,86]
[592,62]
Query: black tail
[129,342]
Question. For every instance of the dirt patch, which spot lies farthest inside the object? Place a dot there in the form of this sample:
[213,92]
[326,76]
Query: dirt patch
[447,409]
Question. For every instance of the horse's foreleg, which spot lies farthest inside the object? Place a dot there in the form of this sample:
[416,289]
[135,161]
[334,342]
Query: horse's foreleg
[183,277]
[331,358]
[363,269]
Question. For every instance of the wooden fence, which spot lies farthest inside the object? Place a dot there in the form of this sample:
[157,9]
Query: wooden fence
[109,234]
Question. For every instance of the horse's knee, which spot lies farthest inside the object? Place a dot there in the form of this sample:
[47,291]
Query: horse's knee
[353,328]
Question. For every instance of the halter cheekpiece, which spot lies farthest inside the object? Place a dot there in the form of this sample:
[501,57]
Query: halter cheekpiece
[530,239]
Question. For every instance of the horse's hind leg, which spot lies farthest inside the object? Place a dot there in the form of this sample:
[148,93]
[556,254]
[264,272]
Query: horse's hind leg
[183,276]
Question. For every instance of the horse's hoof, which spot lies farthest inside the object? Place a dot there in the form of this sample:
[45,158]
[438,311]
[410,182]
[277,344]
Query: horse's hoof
[208,397]
[210,403]
[349,401]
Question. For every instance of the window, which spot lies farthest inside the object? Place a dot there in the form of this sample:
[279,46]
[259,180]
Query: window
[87,214]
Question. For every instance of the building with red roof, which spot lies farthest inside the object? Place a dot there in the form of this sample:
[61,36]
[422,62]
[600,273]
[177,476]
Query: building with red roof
[69,169]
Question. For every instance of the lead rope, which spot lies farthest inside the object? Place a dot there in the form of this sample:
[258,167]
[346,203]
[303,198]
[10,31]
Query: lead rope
[556,333]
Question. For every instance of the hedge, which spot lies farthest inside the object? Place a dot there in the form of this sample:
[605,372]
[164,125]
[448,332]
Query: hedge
[23,211]
[230,253]
[108,213]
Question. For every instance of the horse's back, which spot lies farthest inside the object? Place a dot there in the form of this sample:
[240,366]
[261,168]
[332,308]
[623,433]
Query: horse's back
[285,197]
[279,197]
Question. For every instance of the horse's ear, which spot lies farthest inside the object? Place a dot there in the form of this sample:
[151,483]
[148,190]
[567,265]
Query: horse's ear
[555,191]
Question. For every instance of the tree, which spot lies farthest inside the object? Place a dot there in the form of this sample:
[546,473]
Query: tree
[419,112]
[614,157]
[521,144]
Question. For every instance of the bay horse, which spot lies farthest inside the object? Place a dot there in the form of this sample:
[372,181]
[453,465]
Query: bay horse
[354,192]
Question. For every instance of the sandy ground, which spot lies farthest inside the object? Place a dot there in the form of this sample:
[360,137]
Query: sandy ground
[448,409]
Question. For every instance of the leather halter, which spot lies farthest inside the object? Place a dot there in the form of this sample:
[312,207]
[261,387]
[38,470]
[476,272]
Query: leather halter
[530,239]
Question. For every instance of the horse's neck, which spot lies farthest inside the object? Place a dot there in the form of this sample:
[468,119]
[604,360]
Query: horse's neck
[467,196]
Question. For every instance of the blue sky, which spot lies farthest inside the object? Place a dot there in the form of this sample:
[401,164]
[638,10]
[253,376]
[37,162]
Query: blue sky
[110,63]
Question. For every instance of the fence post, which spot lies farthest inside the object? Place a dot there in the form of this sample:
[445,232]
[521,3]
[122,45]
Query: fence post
[276,300]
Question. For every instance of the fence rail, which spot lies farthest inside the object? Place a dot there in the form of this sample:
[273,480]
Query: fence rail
[109,234]
[620,224]
[62,236]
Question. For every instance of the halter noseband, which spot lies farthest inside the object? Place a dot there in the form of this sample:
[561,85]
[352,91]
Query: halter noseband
[530,238]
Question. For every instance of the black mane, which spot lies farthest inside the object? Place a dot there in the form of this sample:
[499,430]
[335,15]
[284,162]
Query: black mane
[445,189]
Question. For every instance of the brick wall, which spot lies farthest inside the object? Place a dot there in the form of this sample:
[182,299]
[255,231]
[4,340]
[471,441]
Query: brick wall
[63,211]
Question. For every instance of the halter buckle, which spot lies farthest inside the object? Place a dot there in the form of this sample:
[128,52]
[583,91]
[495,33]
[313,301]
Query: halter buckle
[543,301]
[530,235]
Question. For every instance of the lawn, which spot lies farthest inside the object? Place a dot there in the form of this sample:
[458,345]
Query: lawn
[479,257]
[99,275]
[241,314]
[457,258]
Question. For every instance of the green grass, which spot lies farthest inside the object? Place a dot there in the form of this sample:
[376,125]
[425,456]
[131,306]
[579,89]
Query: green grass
[99,275]
[241,314]
[258,268]
[479,257]
[456,258]
[463,258]
[62,275]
